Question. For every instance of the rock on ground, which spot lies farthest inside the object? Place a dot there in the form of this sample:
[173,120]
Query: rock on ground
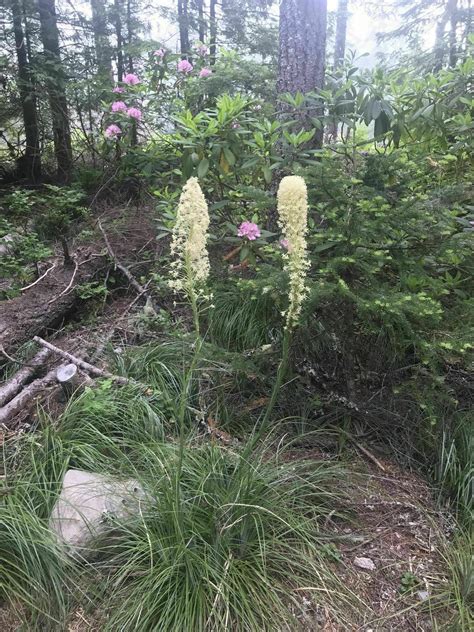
[85,503]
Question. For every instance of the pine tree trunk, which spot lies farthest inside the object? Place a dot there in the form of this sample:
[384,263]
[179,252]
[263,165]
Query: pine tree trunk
[201,21]
[302,51]
[56,89]
[183,22]
[119,38]
[129,36]
[212,32]
[32,161]
[101,39]
[453,18]
[341,30]
[339,53]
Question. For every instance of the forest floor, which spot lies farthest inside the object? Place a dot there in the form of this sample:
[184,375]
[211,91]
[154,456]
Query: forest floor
[394,527]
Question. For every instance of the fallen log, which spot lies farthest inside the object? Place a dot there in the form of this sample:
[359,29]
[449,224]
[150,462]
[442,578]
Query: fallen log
[24,397]
[85,366]
[15,383]
[142,291]
[46,303]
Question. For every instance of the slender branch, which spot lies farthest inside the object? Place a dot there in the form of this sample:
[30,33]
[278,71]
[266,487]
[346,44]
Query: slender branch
[27,287]
[82,364]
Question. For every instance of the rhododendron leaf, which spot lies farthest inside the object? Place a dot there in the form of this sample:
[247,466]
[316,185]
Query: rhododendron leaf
[224,165]
[244,253]
[229,156]
[267,174]
[203,168]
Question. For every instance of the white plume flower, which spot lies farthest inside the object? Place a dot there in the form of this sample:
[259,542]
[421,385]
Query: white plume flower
[293,220]
[190,268]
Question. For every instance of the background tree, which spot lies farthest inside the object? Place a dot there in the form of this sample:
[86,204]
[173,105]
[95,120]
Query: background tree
[302,49]
[56,81]
[30,166]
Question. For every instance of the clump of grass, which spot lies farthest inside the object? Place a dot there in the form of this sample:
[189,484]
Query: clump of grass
[242,320]
[34,570]
[233,550]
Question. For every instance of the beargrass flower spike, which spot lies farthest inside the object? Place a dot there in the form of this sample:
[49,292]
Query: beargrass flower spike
[293,220]
[190,268]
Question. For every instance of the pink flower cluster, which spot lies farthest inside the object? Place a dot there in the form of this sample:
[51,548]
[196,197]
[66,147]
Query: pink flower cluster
[205,72]
[201,49]
[249,230]
[113,131]
[131,79]
[118,106]
[118,90]
[185,66]
[160,53]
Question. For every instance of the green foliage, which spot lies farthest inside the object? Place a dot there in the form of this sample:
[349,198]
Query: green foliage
[242,536]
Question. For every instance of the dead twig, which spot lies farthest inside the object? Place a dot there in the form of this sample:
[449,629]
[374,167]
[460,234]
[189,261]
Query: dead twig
[125,271]
[66,289]
[27,287]
[15,383]
[85,366]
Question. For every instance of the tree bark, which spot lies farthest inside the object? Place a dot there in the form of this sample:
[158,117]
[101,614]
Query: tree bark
[212,32]
[302,51]
[183,22]
[201,21]
[56,89]
[341,30]
[32,160]
[339,53]
[453,18]
[16,382]
[119,37]
[101,39]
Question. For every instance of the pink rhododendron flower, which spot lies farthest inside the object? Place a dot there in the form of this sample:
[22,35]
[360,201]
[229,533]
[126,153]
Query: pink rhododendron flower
[131,79]
[184,66]
[134,113]
[160,53]
[201,49]
[205,72]
[113,131]
[119,106]
[284,243]
[249,230]
[118,90]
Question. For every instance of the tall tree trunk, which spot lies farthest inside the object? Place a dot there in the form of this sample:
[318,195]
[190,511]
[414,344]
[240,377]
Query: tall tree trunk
[339,53]
[453,18]
[341,30]
[183,22]
[32,160]
[56,89]
[101,39]
[129,35]
[201,21]
[212,32]
[119,37]
[302,50]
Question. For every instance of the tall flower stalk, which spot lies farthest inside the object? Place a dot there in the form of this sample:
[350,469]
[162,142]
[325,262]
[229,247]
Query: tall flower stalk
[293,221]
[190,268]
[189,273]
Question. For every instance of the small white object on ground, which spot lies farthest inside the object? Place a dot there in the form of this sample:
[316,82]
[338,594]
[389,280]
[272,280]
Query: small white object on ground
[364,562]
[85,501]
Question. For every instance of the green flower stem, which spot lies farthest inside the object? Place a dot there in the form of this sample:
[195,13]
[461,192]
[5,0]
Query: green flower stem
[282,367]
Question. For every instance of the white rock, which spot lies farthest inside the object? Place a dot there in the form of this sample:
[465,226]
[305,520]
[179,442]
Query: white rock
[85,501]
[364,562]
[423,595]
